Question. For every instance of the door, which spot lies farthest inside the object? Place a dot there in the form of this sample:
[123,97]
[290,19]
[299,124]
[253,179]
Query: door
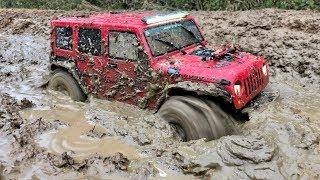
[121,70]
[90,60]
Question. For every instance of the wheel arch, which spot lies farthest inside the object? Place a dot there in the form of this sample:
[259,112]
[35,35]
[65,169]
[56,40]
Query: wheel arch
[54,67]
[202,90]
[69,67]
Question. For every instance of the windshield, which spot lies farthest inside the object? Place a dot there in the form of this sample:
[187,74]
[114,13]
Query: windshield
[173,36]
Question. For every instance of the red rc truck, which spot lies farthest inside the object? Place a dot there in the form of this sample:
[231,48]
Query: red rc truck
[159,62]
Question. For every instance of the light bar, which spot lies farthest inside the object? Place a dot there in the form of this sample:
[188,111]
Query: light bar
[164,17]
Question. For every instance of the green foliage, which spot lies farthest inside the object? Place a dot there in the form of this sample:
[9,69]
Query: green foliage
[214,5]
[42,4]
[257,4]
[298,4]
[165,4]
[239,4]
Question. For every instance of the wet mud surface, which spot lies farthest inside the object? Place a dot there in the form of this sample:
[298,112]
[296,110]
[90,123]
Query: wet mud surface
[44,134]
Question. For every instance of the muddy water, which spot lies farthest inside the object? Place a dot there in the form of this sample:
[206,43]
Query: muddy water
[75,136]
[294,99]
[4,149]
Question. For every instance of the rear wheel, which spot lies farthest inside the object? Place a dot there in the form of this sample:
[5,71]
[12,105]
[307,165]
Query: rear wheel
[65,83]
[197,118]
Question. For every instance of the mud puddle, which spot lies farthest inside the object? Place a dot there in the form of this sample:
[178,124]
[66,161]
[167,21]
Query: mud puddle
[104,128]
[4,149]
[79,136]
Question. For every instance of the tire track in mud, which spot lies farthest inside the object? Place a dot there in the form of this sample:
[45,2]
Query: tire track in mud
[281,139]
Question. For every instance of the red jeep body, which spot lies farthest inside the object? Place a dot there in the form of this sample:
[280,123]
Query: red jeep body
[240,75]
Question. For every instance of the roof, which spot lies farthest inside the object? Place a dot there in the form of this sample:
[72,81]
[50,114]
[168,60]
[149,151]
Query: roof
[122,19]
[132,18]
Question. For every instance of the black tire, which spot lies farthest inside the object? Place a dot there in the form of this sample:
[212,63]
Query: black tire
[197,118]
[225,123]
[64,82]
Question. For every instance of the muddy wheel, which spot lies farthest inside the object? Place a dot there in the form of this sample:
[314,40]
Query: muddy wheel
[195,118]
[65,83]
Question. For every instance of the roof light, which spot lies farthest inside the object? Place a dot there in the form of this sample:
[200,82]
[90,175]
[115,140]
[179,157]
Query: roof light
[164,17]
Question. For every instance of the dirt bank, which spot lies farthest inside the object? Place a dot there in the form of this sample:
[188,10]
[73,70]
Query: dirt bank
[45,134]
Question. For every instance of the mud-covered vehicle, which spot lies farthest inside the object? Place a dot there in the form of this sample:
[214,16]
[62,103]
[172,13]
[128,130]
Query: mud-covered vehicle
[156,61]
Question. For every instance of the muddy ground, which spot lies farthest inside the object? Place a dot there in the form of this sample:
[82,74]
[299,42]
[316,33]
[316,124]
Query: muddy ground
[44,134]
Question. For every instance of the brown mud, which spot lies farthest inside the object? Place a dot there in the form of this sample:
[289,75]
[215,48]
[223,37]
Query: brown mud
[44,134]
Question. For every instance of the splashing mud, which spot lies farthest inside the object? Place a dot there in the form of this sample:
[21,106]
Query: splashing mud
[44,134]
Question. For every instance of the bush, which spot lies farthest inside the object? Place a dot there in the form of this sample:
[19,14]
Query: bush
[42,4]
[165,4]
[257,4]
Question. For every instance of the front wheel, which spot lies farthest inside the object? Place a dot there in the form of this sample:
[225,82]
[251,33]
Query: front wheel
[197,118]
[62,81]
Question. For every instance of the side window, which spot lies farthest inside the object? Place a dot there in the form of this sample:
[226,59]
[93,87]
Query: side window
[123,45]
[64,38]
[90,41]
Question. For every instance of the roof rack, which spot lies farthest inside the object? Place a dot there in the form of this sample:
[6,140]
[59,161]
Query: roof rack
[164,17]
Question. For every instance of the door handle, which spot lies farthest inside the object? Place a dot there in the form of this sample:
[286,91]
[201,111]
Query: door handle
[112,65]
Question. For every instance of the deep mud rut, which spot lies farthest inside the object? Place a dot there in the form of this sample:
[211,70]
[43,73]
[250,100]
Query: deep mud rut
[46,135]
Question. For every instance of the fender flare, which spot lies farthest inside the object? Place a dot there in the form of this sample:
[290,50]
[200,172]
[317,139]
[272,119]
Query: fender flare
[70,67]
[200,89]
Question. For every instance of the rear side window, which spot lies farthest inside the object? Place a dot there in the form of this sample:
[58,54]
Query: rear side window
[123,45]
[64,38]
[90,41]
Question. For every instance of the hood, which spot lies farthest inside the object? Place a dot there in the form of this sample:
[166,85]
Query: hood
[211,66]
